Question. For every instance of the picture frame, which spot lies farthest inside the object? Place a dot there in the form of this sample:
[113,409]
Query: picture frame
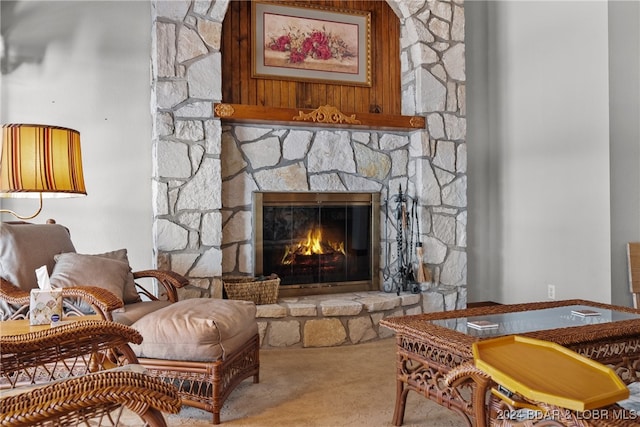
[310,43]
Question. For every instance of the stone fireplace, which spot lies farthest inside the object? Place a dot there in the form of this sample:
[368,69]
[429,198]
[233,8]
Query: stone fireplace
[205,173]
[317,242]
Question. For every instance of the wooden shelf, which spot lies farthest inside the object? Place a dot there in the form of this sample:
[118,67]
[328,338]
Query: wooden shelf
[325,116]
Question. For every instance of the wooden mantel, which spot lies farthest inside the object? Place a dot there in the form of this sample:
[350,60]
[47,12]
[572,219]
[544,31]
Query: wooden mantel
[326,116]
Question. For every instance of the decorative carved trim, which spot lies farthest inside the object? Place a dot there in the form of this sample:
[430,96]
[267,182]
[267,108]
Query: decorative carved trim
[324,117]
[327,114]
[417,122]
[224,110]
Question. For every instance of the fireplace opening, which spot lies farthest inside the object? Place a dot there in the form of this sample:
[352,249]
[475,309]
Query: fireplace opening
[317,242]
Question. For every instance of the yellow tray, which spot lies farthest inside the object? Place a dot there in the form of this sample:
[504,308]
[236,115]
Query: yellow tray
[546,372]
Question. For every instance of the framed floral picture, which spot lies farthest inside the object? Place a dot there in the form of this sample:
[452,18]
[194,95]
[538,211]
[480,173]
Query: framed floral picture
[303,42]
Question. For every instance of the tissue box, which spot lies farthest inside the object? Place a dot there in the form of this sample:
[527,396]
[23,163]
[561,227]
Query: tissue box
[44,305]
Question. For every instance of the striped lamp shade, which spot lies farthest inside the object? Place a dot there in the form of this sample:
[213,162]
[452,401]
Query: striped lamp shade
[39,160]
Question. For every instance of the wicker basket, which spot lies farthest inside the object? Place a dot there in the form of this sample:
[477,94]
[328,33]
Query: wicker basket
[260,290]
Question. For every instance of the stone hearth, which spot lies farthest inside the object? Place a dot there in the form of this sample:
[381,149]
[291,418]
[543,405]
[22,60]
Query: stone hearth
[346,318]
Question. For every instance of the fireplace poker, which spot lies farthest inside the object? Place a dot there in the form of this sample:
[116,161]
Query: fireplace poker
[399,223]
[411,279]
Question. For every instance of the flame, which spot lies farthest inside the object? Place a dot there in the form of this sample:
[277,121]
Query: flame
[312,244]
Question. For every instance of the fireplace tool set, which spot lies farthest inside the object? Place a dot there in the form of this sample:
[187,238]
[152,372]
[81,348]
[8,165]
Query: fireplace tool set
[401,212]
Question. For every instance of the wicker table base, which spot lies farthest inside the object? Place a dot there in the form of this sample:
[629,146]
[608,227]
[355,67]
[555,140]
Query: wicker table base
[427,352]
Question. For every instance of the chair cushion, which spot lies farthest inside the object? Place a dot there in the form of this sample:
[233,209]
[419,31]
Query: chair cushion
[72,269]
[199,330]
[26,247]
[130,313]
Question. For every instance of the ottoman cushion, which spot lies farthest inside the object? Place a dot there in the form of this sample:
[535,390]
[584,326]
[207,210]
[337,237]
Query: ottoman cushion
[130,313]
[199,329]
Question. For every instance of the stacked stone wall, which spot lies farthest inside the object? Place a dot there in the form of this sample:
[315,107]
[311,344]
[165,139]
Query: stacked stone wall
[204,174]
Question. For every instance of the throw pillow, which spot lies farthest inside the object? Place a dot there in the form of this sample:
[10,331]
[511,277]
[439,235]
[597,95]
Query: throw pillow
[72,269]
[130,294]
[26,247]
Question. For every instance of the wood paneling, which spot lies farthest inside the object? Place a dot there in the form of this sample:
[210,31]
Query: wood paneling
[383,97]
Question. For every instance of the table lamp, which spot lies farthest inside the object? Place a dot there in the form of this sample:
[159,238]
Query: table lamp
[39,161]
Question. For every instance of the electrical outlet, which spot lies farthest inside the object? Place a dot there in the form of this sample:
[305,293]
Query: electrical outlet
[551,291]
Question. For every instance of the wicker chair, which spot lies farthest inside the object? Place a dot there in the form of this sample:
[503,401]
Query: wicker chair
[222,334]
[26,247]
[66,376]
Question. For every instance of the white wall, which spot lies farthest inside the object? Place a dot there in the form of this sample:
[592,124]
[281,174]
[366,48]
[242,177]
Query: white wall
[87,67]
[539,150]
[624,116]
[554,135]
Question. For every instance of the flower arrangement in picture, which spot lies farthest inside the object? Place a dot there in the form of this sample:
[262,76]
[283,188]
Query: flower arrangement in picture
[316,44]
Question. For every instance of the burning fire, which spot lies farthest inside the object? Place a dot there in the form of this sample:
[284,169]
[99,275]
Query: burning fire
[311,245]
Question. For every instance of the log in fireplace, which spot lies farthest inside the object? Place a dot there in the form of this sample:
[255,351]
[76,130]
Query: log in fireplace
[318,242]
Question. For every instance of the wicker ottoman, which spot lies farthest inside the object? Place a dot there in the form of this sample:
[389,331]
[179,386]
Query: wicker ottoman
[205,347]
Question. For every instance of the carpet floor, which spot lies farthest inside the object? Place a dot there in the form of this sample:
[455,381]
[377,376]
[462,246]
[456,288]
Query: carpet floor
[323,387]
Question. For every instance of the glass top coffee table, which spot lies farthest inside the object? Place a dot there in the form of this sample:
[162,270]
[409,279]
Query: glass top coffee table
[518,322]
[430,346]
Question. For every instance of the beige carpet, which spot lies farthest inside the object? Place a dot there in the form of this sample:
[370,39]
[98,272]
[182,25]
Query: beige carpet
[323,387]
